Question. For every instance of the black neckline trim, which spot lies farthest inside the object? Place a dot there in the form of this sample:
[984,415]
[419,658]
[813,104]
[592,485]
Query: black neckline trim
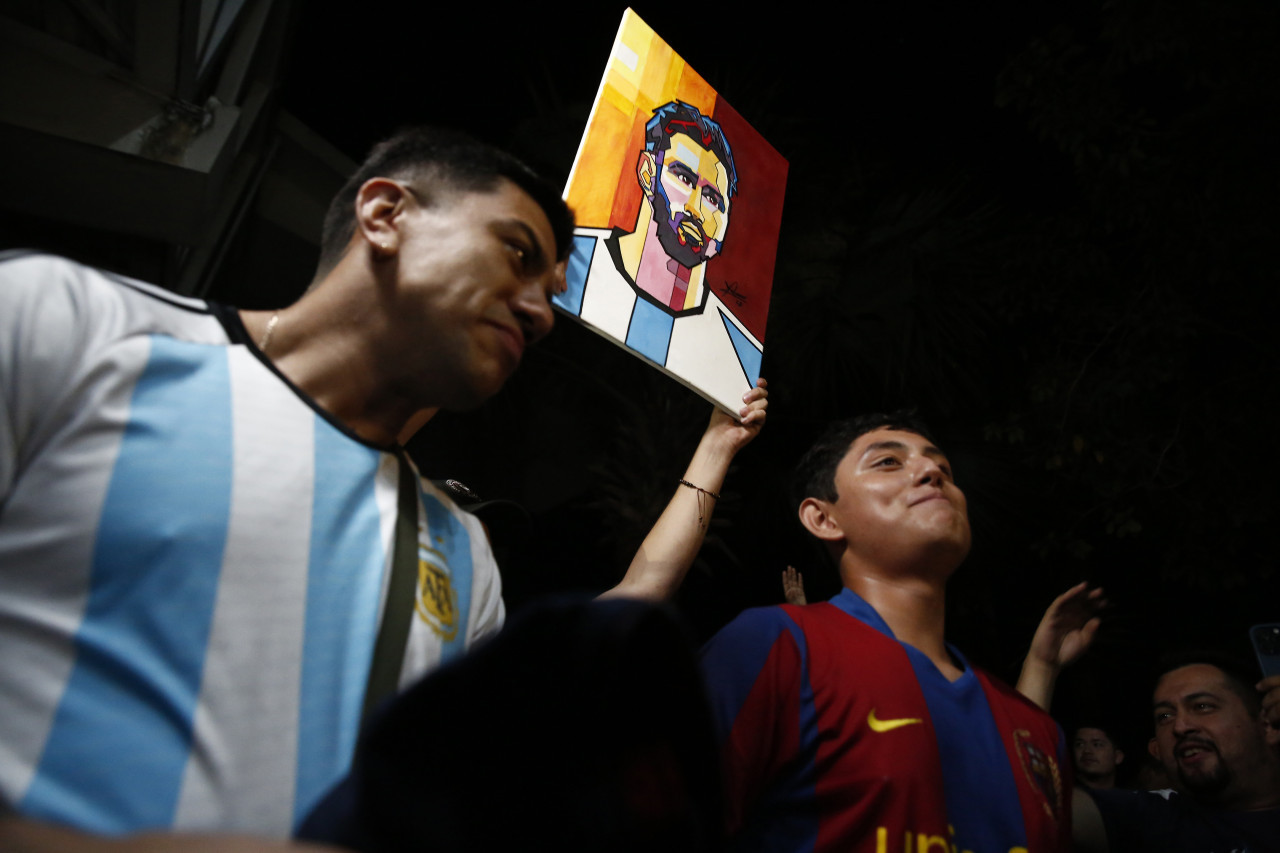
[229,317]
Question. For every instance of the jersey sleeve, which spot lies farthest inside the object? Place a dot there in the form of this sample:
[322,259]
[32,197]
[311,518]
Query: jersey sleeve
[755,670]
[8,430]
[58,319]
[487,610]
[39,336]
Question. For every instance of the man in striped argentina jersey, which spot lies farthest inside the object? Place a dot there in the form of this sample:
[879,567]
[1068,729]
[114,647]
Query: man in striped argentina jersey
[198,505]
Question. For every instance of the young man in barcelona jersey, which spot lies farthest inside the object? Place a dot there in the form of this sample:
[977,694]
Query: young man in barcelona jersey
[851,725]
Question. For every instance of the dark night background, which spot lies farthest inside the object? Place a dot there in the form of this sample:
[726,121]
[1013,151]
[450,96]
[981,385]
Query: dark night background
[1052,227]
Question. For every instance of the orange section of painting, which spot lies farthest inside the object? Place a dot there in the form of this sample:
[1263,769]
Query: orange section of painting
[643,73]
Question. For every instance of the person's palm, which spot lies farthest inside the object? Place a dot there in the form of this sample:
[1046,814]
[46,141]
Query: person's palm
[1069,626]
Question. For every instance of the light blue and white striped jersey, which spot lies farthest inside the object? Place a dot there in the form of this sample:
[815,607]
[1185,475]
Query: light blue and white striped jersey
[193,560]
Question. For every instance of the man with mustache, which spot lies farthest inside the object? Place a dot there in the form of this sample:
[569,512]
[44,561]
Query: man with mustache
[1213,742]
[648,287]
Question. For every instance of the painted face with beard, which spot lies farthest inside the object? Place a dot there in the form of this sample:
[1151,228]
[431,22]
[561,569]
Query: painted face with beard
[690,201]
[1206,736]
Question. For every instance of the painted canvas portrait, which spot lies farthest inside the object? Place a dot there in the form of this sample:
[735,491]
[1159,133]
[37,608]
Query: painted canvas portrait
[678,203]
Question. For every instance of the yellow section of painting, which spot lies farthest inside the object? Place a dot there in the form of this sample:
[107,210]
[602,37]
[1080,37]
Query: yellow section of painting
[643,73]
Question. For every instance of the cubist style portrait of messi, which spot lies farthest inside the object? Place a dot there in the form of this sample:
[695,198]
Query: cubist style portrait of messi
[678,203]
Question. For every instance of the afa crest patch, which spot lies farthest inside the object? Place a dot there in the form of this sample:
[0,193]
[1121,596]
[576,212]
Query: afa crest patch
[1042,772]
[437,602]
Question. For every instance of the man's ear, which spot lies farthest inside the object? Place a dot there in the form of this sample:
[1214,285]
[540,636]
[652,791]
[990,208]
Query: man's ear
[646,172]
[379,203]
[1119,756]
[1153,749]
[816,517]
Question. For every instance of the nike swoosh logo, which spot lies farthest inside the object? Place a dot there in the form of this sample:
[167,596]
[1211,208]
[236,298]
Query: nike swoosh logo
[889,725]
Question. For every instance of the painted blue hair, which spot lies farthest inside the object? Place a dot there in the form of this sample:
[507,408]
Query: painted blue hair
[678,117]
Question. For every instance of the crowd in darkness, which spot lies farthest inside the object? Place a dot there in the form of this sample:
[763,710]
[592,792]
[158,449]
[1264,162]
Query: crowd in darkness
[235,614]
[293,636]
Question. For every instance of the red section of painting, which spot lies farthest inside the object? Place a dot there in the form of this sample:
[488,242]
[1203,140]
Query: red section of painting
[745,266]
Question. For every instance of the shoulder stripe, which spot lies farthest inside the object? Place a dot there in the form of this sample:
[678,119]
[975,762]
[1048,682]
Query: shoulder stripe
[139,667]
[347,563]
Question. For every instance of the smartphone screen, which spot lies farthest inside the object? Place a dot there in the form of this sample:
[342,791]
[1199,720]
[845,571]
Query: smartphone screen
[1266,645]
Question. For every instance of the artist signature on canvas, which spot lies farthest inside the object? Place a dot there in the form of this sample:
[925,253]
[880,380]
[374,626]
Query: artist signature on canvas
[729,290]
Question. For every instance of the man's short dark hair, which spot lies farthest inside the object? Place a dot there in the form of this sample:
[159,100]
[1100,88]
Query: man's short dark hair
[678,117]
[1240,676]
[1098,726]
[815,475]
[435,159]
